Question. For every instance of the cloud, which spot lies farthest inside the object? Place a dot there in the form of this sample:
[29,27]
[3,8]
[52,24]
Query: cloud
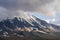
[3,13]
[47,7]
[51,20]
[27,5]
[48,21]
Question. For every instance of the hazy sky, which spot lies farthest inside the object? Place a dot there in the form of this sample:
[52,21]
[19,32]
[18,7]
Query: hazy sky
[48,10]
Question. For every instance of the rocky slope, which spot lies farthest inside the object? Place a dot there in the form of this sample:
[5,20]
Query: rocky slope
[28,27]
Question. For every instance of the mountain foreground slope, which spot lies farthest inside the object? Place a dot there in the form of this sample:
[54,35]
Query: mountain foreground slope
[28,28]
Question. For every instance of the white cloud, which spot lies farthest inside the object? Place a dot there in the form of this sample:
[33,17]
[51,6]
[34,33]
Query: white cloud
[48,21]
[51,20]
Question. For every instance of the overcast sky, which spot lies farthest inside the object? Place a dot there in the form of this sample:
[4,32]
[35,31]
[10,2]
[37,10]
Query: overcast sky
[50,9]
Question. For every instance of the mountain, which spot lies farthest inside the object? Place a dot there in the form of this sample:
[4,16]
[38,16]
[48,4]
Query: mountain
[27,27]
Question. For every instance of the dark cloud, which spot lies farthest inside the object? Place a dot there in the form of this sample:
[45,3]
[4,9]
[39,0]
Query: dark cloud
[26,5]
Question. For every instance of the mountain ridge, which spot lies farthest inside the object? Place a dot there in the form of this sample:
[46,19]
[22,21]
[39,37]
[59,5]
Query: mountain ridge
[21,26]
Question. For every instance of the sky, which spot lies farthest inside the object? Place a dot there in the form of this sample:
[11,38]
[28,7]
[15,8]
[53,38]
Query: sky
[48,10]
[48,18]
